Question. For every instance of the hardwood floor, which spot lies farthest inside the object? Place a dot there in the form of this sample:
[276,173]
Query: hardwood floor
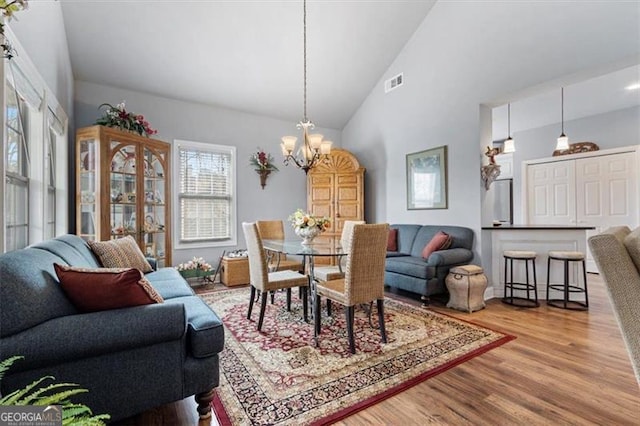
[564,367]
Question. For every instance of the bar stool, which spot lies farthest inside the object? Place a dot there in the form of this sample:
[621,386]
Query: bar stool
[523,302]
[566,287]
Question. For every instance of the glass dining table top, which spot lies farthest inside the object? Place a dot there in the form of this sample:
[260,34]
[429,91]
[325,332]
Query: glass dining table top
[321,246]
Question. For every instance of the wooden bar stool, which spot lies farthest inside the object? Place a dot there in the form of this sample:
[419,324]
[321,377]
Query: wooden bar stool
[509,284]
[566,288]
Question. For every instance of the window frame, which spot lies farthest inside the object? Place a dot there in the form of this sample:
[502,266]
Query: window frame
[179,243]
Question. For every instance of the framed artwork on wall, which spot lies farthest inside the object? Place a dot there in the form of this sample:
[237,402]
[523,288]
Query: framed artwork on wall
[427,179]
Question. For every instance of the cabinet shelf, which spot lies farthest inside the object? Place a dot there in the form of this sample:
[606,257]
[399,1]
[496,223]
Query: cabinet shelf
[131,170]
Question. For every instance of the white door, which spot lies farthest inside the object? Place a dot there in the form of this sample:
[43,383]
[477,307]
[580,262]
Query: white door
[551,198]
[606,189]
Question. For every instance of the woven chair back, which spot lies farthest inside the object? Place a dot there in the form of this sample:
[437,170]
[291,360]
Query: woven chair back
[364,275]
[258,274]
[271,229]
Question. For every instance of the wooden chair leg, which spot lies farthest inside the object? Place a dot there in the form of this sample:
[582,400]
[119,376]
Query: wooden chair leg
[383,331]
[328,307]
[288,300]
[305,302]
[350,313]
[263,306]
[253,295]
[273,297]
[316,315]
[204,403]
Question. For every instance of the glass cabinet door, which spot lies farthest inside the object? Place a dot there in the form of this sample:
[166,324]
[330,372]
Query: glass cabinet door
[88,224]
[154,233]
[122,191]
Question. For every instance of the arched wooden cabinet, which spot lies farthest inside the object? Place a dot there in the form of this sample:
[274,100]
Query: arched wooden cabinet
[335,189]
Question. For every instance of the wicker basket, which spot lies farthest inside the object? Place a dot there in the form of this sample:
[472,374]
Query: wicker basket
[234,271]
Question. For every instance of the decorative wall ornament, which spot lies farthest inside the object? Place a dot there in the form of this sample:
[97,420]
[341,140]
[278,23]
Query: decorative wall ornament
[576,148]
[491,171]
[263,164]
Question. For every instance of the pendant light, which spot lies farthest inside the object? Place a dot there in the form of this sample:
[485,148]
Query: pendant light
[509,145]
[563,140]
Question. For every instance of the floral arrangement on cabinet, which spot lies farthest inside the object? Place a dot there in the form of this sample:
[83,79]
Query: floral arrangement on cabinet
[118,116]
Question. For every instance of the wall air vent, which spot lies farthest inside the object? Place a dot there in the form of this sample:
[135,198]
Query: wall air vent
[393,83]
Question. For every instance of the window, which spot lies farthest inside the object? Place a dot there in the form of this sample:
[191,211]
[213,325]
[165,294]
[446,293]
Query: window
[50,180]
[17,173]
[206,194]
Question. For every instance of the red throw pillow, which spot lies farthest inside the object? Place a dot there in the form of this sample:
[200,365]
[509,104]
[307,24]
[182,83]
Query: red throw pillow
[392,240]
[101,289]
[440,241]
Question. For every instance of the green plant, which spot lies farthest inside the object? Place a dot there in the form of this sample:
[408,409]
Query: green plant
[53,394]
[260,160]
[8,9]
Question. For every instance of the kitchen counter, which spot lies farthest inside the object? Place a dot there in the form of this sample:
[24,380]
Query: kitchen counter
[536,227]
[538,238]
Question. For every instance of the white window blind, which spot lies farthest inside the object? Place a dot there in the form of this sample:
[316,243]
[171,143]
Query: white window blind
[205,194]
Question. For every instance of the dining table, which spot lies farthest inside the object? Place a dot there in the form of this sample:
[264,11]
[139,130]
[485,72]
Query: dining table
[321,247]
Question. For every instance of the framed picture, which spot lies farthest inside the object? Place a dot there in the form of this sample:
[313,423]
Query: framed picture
[427,179]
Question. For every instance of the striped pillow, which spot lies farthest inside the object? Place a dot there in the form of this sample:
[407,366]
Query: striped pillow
[120,253]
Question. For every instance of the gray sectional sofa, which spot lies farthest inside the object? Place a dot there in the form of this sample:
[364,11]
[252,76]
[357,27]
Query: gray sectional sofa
[407,270]
[130,359]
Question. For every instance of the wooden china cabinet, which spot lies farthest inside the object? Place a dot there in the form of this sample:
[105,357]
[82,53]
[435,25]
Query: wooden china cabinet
[123,188]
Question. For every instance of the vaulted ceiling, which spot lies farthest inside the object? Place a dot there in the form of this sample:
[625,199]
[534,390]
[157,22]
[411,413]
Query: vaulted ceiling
[243,55]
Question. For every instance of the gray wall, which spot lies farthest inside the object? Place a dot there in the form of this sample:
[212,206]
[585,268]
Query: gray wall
[285,190]
[610,130]
[464,55]
[40,30]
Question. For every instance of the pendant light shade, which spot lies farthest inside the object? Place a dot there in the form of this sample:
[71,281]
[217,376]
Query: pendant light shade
[563,140]
[509,144]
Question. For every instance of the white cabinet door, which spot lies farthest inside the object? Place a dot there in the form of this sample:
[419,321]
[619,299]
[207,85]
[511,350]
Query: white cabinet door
[551,196]
[606,189]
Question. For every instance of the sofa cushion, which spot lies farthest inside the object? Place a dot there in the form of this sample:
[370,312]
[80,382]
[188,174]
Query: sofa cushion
[406,237]
[392,240]
[101,289]
[29,290]
[169,283]
[120,253]
[72,249]
[460,237]
[440,241]
[632,244]
[205,330]
[409,265]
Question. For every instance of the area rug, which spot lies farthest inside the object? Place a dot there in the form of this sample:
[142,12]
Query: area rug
[279,377]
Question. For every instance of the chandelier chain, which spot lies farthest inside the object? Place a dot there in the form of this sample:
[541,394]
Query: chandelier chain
[562,107]
[304,22]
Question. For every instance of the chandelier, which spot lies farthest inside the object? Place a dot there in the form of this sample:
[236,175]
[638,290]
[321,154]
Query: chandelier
[313,148]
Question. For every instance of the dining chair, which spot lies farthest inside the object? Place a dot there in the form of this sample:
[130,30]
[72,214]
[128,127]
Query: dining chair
[334,272]
[274,230]
[363,281]
[263,280]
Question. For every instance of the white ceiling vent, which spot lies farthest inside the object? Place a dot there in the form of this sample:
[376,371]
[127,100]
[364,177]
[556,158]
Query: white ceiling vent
[393,83]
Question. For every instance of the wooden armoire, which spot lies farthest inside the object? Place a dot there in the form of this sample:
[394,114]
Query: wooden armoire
[335,189]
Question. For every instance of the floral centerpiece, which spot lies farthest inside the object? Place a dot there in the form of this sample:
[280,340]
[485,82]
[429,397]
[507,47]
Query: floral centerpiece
[308,226]
[195,268]
[118,116]
[262,162]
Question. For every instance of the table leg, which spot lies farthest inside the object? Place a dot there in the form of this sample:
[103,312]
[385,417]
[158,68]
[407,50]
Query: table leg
[315,310]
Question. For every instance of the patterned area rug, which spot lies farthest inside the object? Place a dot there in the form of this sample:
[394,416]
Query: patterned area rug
[279,377]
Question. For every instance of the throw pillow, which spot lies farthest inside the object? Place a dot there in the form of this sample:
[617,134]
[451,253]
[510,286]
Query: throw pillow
[120,253]
[440,241]
[632,244]
[100,289]
[392,240]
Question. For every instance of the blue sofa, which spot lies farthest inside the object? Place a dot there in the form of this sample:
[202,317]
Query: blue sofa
[130,359]
[407,270]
